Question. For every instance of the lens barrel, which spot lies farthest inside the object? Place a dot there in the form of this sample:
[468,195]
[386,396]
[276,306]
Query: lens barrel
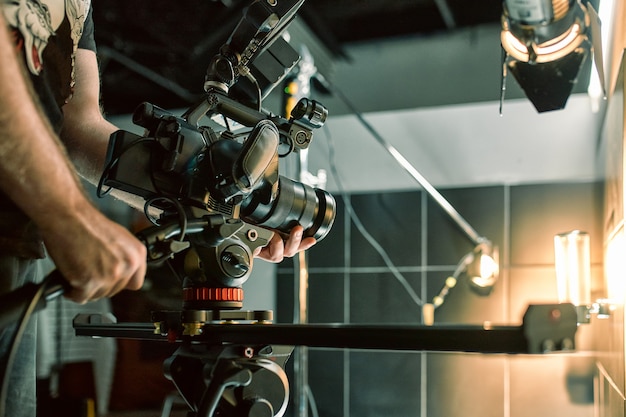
[296,204]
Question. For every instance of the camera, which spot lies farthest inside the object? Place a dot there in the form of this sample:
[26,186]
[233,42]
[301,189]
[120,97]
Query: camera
[216,172]
[217,187]
[211,184]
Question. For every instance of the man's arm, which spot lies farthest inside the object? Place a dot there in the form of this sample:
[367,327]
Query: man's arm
[86,132]
[98,257]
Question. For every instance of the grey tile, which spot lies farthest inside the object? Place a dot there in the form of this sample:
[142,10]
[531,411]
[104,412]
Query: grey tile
[531,285]
[538,212]
[394,221]
[463,305]
[385,384]
[380,298]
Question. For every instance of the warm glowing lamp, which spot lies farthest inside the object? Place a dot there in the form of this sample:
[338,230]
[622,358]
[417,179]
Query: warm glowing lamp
[483,269]
[573,271]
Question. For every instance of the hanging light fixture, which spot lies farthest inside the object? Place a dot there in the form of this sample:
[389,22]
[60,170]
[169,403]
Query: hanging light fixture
[545,43]
[572,263]
[483,269]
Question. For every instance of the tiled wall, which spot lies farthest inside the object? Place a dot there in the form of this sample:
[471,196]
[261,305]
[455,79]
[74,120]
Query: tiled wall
[609,333]
[349,283]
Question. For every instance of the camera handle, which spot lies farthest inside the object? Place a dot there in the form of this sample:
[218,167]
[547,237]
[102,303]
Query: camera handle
[30,298]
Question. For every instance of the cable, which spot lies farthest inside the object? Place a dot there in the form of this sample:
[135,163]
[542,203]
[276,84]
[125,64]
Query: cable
[50,287]
[312,403]
[432,191]
[111,165]
[407,166]
[357,222]
[180,210]
[182,229]
[452,280]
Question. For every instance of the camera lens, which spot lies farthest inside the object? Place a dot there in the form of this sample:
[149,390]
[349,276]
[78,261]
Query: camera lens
[296,203]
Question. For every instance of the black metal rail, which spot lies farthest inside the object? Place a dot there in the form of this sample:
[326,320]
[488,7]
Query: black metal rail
[545,328]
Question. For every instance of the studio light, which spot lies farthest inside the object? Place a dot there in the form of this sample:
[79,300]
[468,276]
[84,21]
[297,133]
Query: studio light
[545,43]
[572,263]
[481,266]
[483,269]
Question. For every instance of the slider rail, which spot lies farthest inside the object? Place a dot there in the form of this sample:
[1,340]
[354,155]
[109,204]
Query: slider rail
[546,328]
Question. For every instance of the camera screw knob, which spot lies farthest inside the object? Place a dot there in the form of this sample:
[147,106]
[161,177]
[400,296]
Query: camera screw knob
[252,235]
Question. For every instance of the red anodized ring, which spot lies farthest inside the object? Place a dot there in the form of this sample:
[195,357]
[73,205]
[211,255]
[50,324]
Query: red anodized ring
[212,294]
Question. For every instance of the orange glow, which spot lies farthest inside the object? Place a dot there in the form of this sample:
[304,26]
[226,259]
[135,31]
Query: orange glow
[615,267]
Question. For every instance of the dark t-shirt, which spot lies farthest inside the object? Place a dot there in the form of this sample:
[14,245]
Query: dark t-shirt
[46,34]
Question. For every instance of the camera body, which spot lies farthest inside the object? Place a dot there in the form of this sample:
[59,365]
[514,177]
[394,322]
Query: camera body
[212,174]
[218,189]
[220,172]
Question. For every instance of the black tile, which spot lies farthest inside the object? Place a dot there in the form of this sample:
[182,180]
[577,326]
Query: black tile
[465,306]
[326,380]
[389,383]
[284,298]
[538,212]
[329,252]
[435,282]
[481,207]
[385,384]
[380,298]
[326,298]
[393,219]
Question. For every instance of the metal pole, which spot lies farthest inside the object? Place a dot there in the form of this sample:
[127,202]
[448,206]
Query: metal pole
[300,87]
[410,169]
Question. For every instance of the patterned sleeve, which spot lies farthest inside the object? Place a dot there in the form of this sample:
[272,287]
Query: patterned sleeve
[87,40]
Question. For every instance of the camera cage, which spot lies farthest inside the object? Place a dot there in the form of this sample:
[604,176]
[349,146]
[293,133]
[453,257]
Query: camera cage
[224,181]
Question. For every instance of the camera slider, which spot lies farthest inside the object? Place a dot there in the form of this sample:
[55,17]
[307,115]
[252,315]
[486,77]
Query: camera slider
[545,328]
[236,367]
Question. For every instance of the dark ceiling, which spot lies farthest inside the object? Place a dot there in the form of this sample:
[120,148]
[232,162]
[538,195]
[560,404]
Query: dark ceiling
[158,50]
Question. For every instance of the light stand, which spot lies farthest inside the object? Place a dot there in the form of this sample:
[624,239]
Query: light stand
[298,87]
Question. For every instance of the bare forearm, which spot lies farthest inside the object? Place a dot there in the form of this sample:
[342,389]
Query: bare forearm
[34,169]
[86,132]
[97,257]
[89,159]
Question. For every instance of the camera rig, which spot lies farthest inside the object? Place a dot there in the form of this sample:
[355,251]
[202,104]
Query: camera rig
[211,184]
[213,192]
[216,185]
[218,193]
